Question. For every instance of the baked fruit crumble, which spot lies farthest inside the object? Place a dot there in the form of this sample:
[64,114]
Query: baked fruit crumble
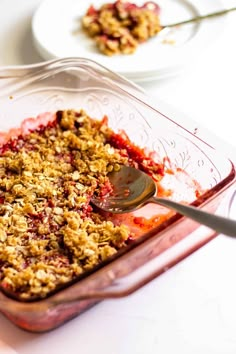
[49,232]
[119,27]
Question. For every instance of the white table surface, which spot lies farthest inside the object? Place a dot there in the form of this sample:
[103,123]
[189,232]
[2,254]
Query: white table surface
[191,308]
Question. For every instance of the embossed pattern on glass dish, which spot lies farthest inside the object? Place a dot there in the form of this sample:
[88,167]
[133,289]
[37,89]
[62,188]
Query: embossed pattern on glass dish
[142,131]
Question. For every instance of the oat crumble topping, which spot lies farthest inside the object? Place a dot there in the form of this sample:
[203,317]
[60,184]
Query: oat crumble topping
[119,27]
[49,233]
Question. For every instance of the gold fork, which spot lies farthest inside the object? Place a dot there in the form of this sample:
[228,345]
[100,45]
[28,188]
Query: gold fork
[200,17]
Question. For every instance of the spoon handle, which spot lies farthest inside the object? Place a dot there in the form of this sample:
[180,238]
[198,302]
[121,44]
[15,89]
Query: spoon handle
[218,223]
[199,18]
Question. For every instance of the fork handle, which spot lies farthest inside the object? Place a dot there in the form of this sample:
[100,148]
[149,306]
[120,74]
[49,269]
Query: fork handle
[201,17]
[218,223]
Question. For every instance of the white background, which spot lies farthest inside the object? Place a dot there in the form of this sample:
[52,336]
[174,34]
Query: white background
[191,308]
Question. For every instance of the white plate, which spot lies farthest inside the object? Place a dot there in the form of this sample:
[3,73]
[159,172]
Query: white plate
[55,22]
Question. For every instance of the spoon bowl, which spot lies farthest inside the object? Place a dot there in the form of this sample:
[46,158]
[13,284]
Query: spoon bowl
[133,188]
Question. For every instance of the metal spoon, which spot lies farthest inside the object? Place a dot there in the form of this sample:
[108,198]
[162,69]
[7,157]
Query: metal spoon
[133,188]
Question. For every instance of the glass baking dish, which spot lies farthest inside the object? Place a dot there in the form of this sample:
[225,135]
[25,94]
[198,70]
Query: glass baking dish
[80,83]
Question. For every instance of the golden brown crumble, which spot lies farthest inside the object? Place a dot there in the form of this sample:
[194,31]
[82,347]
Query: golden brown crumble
[119,27]
[49,233]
